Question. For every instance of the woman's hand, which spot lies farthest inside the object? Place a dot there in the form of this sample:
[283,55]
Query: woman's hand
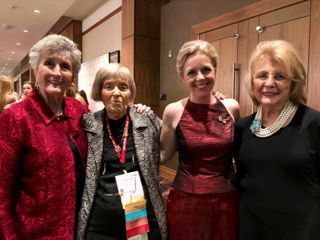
[142,108]
[219,95]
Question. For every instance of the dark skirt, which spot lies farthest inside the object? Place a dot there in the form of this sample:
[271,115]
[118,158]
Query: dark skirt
[269,224]
[202,216]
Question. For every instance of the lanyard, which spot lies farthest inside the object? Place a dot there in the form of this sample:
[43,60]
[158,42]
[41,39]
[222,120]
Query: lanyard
[117,148]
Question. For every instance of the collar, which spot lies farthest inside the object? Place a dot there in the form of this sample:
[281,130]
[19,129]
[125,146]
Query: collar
[69,111]
[93,122]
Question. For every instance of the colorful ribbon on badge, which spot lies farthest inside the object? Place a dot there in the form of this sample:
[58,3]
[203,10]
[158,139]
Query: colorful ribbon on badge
[136,218]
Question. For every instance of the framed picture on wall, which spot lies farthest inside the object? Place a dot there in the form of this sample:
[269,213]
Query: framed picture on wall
[114,57]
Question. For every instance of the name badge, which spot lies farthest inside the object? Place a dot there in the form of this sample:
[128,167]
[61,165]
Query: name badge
[133,202]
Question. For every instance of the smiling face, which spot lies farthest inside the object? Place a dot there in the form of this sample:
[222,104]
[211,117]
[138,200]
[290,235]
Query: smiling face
[116,97]
[54,74]
[199,76]
[271,86]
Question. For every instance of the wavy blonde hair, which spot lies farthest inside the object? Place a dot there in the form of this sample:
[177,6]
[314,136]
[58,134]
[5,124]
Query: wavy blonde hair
[282,53]
[192,47]
[6,85]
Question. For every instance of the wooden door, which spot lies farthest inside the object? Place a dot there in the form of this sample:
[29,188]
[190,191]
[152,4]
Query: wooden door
[291,24]
[235,42]
[225,42]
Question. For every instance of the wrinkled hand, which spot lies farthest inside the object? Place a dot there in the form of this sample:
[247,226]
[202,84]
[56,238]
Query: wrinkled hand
[142,108]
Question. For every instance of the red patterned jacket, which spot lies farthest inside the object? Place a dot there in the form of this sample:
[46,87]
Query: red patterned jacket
[37,169]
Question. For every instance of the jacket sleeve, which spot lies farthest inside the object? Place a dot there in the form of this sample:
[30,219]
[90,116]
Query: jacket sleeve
[10,149]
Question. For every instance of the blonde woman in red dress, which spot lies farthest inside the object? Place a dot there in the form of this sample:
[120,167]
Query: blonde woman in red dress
[203,202]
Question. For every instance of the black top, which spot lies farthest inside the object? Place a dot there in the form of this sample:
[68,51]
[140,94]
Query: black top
[107,216]
[279,176]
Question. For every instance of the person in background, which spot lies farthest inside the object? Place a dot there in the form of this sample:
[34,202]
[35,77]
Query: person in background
[27,88]
[43,149]
[81,96]
[6,92]
[277,150]
[121,143]
[203,202]
[71,91]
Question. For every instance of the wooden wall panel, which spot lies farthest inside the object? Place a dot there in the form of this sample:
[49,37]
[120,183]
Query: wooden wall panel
[73,31]
[147,18]
[128,19]
[285,14]
[240,14]
[314,69]
[147,70]
[141,48]
[127,54]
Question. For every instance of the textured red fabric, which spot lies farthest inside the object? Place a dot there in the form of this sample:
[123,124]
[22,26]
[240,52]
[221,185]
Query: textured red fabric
[37,169]
[202,216]
[203,203]
[205,136]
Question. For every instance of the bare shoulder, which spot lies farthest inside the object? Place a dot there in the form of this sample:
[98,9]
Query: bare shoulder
[172,108]
[232,106]
[173,111]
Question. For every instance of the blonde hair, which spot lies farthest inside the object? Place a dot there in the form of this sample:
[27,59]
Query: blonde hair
[112,70]
[282,53]
[6,85]
[192,47]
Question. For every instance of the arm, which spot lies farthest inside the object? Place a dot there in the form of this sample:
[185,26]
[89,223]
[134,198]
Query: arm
[168,139]
[10,145]
[233,107]
[236,148]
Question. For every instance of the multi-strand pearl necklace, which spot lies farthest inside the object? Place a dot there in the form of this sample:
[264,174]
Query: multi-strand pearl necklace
[285,114]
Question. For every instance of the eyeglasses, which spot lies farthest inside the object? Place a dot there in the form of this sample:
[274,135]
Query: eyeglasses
[277,76]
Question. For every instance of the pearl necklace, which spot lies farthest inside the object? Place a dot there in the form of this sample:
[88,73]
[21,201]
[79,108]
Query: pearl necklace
[285,114]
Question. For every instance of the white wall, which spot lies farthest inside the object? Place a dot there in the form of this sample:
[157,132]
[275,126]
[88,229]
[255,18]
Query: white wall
[97,43]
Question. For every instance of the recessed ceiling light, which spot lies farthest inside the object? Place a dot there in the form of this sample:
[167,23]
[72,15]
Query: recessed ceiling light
[25,31]
[36,11]
[18,44]
[9,59]
[13,52]
[6,64]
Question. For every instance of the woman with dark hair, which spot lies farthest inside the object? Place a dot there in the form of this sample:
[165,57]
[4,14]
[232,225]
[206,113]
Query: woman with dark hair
[27,88]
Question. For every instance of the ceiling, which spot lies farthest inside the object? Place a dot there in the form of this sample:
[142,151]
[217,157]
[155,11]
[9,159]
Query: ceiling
[17,16]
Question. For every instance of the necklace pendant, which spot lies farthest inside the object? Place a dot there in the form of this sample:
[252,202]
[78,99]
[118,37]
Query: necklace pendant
[255,126]
[220,119]
[118,148]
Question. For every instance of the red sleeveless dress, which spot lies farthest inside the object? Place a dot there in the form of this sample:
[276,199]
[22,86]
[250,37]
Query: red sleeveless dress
[203,202]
